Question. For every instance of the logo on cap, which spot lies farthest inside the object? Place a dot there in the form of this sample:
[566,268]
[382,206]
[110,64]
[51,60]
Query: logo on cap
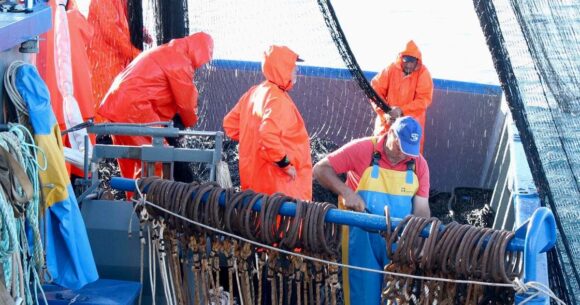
[414,137]
[408,131]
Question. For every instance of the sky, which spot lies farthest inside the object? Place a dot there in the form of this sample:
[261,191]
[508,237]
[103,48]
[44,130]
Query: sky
[447,33]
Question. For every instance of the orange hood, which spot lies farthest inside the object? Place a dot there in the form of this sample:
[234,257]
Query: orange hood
[277,66]
[411,49]
[198,47]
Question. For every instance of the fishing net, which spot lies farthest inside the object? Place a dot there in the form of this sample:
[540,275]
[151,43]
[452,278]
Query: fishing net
[535,46]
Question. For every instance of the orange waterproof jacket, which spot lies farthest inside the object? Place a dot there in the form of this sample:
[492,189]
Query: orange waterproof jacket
[110,50]
[159,83]
[80,33]
[412,93]
[268,126]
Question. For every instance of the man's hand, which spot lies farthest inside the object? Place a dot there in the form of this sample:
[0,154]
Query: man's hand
[147,37]
[392,115]
[395,113]
[290,171]
[352,201]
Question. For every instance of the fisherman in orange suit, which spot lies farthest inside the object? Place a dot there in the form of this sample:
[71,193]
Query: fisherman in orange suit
[80,33]
[407,87]
[274,144]
[111,49]
[155,87]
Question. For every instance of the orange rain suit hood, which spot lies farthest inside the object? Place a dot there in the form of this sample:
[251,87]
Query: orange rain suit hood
[268,126]
[110,50]
[412,93]
[159,83]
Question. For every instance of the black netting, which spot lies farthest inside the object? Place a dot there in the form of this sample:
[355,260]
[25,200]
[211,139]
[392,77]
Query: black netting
[536,51]
[556,278]
[166,19]
[135,18]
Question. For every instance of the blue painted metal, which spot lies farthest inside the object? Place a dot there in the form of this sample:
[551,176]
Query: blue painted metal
[540,236]
[361,220]
[16,28]
[101,292]
[536,224]
[337,73]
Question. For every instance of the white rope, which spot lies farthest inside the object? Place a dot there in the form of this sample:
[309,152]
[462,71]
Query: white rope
[152,267]
[238,280]
[142,242]
[162,256]
[171,281]
[10,85]
[144,217]
[534,289]
[74,299]
[38,287]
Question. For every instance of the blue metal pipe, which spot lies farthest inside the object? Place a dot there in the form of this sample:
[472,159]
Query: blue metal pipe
[365,221]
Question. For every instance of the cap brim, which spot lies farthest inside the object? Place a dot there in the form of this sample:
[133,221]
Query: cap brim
[299,59]
[409,149]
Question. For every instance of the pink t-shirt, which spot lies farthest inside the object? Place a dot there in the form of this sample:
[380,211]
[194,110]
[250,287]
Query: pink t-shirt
[355,157]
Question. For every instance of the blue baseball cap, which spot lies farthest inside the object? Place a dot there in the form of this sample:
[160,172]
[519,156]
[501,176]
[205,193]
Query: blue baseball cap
[407,58]
[409,132]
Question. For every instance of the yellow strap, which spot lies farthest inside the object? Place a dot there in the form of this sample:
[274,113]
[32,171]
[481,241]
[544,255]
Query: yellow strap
[344,244]
[374,140]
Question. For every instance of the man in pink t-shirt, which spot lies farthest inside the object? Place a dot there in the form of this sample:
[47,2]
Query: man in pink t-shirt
[386,171]
[355,157]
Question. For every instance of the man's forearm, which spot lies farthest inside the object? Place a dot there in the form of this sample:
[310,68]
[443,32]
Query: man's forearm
[421,207]
[327,177]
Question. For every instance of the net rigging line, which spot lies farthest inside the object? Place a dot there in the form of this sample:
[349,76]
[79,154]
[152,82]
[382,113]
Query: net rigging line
[347,56]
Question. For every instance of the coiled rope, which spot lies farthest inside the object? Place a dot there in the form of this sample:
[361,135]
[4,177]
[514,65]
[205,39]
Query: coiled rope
[20,266]
[28,153]
[234,224]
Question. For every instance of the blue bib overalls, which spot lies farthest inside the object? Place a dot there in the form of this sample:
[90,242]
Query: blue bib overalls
[378,187]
